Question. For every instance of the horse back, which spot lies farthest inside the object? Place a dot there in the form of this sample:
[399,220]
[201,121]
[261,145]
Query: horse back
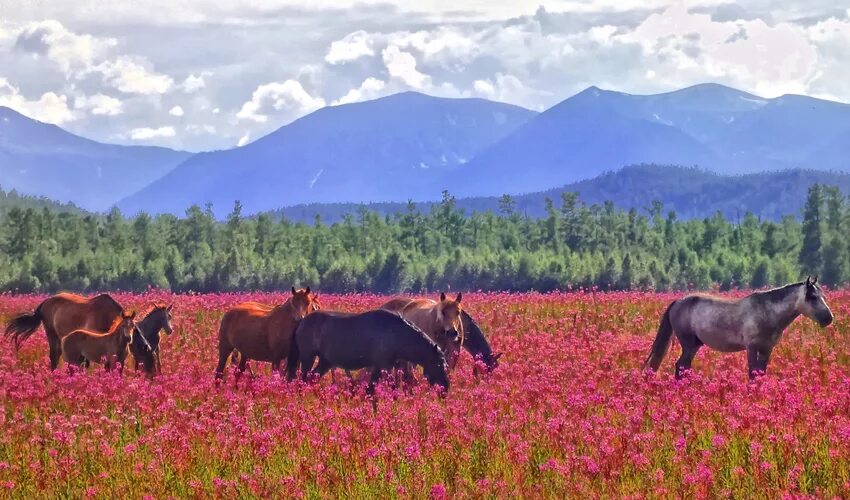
[66,312]
[257,329]
[397,304]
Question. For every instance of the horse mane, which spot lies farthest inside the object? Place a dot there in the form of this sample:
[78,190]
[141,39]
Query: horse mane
[414,327]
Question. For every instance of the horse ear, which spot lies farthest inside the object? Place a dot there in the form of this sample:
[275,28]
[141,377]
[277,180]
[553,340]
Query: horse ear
[170,307]
[293,290]
[442,296]
[497,356]
[815,281]
[459,297]
[307,290]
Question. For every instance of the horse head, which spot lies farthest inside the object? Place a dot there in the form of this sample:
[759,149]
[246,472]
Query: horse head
[812,303]
[127,324]
[303,303]
[163,316]
[449,315]
[436,370]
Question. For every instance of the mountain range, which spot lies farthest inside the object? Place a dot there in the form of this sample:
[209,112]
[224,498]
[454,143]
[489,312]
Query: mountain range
[413,146]
[41,159]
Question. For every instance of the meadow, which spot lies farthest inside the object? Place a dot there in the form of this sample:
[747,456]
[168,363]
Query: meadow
[568,412]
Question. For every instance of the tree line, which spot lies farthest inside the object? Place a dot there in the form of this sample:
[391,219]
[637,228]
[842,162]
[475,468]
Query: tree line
[574,245]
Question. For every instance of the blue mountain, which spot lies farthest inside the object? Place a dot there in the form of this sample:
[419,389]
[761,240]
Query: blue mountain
[393,148]
[41,159]
[715,127]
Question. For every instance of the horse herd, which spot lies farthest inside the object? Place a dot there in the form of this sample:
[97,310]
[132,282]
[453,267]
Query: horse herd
[400,334]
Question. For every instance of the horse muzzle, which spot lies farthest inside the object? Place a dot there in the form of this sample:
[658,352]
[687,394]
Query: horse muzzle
[825,320]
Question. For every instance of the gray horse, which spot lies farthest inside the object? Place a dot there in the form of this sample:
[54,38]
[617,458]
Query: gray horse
[754,323]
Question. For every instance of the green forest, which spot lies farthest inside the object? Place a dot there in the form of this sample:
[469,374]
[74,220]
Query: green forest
[46,249]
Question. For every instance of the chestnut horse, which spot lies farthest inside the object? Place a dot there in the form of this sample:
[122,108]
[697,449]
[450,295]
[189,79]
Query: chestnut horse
[81,347]
[61,314]
[261,332]
[474,341]
[441,321]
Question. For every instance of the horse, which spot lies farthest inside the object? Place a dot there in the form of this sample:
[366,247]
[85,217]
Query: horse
[377,339]
[441,321]
[61,314]
[261,332]
[754,324]
[475,343]
[145,344]
[81,347]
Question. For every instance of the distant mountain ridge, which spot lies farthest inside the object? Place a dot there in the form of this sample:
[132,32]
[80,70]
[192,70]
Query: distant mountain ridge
[715,127]
[387,149]
[44,160]
[690,192]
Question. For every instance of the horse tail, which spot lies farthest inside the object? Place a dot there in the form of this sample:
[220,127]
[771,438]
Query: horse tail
[662,341]
[23,326]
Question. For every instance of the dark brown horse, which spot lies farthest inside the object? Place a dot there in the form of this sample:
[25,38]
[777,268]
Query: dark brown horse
[474,342]
[378,339]
[82,347]
[261,332]
[754,324]
[61,314]
[145,344]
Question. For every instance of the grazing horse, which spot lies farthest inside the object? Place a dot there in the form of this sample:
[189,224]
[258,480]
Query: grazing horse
[62,314]
[475,343]
[754,323]
[441,321]
[82,347]
[145,344]
[261,332]
[376,339]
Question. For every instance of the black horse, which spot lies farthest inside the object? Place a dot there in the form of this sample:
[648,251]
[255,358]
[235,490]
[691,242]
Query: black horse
[378,339]
[476,343]
[145,343]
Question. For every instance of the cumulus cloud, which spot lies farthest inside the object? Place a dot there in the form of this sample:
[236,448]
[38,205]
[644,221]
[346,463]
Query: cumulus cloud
[287,98]
[350,48]
[69,50]
[402,65]
[176,111]
[132,75]
[147,133]
[371,88]
[194,83]
[99,105]
[49,108]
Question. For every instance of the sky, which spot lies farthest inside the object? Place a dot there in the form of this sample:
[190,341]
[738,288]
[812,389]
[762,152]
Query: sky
[202,75]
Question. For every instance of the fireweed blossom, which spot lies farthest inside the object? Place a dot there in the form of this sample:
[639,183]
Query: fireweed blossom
[569,412]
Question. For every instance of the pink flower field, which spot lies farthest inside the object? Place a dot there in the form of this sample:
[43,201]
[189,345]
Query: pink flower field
[568,413]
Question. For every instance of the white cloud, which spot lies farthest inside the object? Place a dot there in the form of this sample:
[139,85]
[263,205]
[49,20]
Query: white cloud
[288,98]
[147,133]
[194,83]
[402,65]
[201,129]
[244,140]
[100,105]
[176,111]
[132,76]
[69,50]
[350,48]
[49,108]
[370,89]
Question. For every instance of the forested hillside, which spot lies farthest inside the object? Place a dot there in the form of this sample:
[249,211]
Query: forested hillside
[574,245]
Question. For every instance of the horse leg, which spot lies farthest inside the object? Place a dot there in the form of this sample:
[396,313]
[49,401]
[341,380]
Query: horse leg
[323,367]
[757,358]
[376,376]
[55,344]
[158,361]
[690,345]
[224,352]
